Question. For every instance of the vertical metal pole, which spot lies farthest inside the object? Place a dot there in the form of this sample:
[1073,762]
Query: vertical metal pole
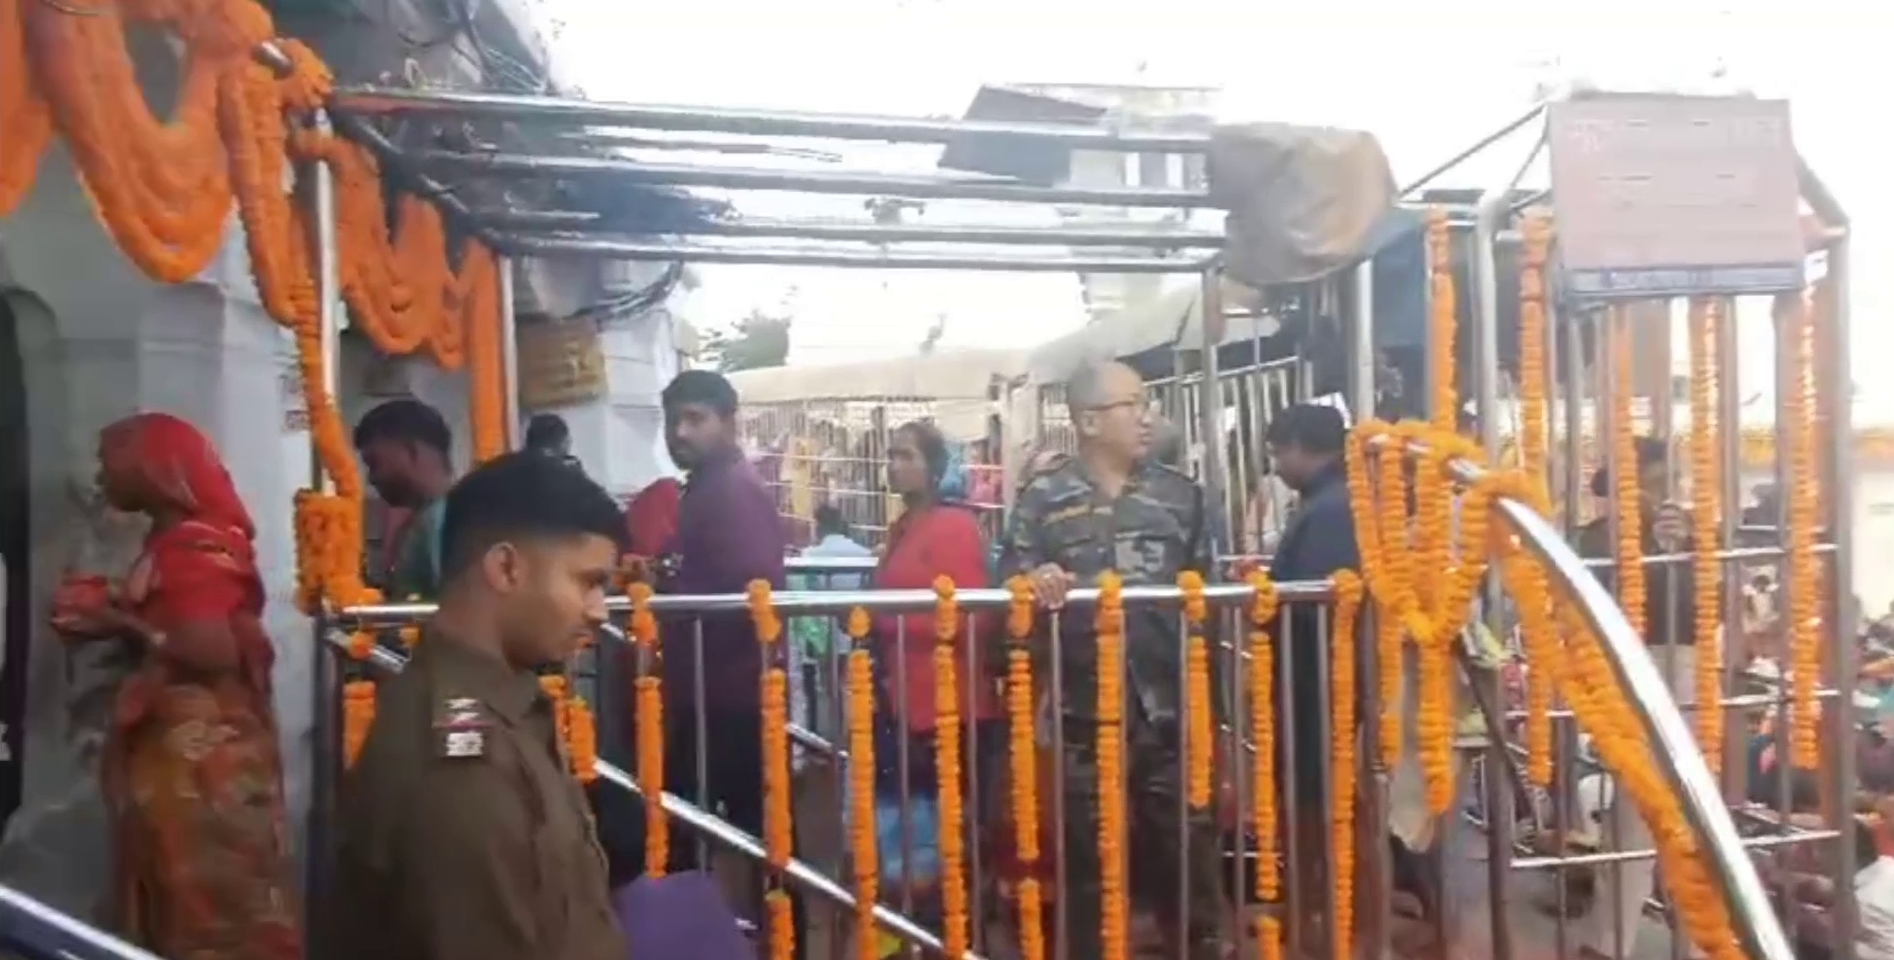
[1210,406]
[1729,415]
[1494,209]
[325,697]
[1361,345]
[509,353]
[1843,666]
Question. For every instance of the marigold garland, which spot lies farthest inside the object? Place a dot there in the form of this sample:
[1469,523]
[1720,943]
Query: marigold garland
[358,716]
[1804,575]
[1348,593]
[1535,624]
[953,864]
[1201,746]
[1706,505]
[1580,670]
[1379,564]
[1113,906]
[164,190]
[1443,321]
[1264,815]
[778,829]
[577,727]
[649,694]
[1629,502]
[1022,759]
[864,852]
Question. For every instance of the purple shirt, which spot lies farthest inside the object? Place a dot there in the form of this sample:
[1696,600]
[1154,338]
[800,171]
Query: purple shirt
[728,534]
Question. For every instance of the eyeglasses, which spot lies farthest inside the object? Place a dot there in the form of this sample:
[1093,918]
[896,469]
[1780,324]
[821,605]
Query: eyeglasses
[1144,405]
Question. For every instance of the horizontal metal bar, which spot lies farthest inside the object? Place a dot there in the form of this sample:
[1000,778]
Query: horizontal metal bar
[544,246]
[1629,856]
[882,601]
[1101,236]
[758,123]
[518,165]
[830,564]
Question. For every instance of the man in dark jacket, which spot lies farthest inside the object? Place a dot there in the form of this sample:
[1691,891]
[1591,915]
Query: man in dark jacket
[1306,443]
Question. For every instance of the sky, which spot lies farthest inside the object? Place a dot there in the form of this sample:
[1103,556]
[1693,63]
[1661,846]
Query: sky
[1427,79]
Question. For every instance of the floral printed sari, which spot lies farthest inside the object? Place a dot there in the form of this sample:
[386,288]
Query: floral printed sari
[192,774]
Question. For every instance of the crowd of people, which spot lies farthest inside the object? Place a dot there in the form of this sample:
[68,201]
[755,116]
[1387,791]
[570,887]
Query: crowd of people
[461,830]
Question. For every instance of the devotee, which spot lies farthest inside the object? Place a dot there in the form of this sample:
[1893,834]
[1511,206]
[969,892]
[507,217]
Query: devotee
[1112,508]
[728,535]
[191,772]
[466,835]
[547,433]
[407,449]
[935,536]
[1306,443]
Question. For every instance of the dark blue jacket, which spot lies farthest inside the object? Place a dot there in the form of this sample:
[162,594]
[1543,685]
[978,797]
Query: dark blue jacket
[1319,540]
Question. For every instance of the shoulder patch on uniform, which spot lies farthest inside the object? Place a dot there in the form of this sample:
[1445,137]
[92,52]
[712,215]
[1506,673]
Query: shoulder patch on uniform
[461,725]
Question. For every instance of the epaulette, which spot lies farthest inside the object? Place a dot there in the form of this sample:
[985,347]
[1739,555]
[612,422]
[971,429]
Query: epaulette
[461,725]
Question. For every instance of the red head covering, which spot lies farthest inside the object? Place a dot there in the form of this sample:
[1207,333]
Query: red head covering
[172,464]
[652,517]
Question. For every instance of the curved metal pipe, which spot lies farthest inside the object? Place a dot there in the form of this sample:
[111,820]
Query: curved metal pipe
[40,930]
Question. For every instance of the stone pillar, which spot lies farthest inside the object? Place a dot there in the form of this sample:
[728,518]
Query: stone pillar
[119,344]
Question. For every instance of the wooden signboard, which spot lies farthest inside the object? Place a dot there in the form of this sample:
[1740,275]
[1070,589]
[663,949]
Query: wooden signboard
[560,364]
[1661,196]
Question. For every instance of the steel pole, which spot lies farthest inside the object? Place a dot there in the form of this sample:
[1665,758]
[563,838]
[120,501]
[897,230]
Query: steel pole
[325,695]
[541,246]
[759,123]
[1210,405]
[844,231]
[509,353]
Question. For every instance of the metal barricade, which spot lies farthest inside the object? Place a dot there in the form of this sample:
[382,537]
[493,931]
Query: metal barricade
[1162,883]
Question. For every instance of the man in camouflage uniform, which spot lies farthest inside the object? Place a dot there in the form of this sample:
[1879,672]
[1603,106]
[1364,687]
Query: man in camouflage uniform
[1112,507]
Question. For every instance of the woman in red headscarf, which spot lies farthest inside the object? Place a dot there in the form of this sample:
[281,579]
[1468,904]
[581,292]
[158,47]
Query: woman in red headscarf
[191,773]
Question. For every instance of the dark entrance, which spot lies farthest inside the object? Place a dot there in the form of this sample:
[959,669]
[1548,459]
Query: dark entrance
[15,629]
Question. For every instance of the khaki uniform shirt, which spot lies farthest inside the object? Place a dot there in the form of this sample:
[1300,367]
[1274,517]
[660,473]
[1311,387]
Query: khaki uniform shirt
[464,835]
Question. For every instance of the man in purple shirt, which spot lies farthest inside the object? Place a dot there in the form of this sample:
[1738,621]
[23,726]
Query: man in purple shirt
[728,535]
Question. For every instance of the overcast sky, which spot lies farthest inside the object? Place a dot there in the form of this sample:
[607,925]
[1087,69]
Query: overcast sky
[1427,79]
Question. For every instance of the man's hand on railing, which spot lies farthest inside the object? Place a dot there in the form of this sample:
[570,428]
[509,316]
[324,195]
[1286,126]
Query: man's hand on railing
[1050,583]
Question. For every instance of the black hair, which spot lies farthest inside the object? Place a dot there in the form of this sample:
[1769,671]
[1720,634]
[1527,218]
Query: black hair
[933,449]
[829,520]
[1650,453]
[523,495]
[406,420]
[1866,849]
[547,431]
[706,387]
[1312,427]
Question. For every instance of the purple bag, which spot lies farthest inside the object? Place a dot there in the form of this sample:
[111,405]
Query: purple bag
[681,916]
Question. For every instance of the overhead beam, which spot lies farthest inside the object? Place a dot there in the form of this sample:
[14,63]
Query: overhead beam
[519,166]
[609,249]
[761,123]
[1148,238]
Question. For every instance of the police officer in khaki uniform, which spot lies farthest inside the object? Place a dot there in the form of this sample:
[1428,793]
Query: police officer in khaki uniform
[465,835]
[1115,507]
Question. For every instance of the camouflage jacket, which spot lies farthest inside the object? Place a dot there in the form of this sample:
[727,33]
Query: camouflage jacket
[1154,530]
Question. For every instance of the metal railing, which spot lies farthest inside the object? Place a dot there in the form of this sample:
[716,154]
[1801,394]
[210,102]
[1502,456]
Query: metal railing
[818,868]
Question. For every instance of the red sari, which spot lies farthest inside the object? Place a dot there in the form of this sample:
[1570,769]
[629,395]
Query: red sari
[192,774]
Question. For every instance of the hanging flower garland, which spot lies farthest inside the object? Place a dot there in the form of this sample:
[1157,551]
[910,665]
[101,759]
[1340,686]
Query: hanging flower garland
[953,869]
[1114,916]
[23,113]
[1443,322]
[649,696]
[1797,322]
[1022,758]
[864,852]
[1625,473]
[1343,762]
[1201,745]
[1385,581]
[778,830]
[1264,816]
[1706,505]
[577,728]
